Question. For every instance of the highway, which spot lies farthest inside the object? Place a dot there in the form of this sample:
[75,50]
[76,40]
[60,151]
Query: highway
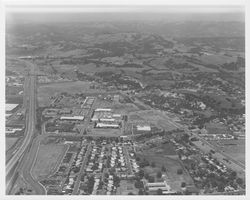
[29,131]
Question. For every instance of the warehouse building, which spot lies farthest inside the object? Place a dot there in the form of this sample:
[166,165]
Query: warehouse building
[143,128]
[103,125]
[72,118]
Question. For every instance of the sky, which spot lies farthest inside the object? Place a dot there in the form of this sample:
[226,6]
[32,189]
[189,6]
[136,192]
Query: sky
[107,13]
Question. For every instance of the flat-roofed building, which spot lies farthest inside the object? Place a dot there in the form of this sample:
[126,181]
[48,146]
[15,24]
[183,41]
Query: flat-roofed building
[154,187]
[103,125]
[72,118]
[143,128]
[103,110]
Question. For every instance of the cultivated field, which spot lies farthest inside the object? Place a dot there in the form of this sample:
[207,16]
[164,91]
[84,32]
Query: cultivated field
[48,158]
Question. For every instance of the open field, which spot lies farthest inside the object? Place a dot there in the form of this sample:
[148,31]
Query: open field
[216,59]
[47,160]
[127,186]
[159,119]
[9,142]
[124,108]
[108,132]
[45,91]
[216,128]
[234,148]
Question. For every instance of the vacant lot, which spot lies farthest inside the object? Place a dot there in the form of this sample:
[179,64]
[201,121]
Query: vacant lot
[48,158]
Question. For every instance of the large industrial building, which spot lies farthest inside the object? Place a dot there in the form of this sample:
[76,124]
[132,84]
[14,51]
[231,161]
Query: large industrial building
[105,118]
[72,118]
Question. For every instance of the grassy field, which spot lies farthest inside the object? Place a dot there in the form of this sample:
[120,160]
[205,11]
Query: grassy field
[216,128]
[47,160]
[108,132]
[159,119]
[234,148]
[9,142]
[216,59]
[45,91]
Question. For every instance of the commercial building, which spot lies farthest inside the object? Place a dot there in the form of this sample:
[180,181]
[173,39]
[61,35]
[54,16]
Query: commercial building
[72,118]
[103,125]
[103,110]
[154,187]
[143,128]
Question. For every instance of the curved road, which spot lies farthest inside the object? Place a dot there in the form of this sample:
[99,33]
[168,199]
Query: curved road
[29,132]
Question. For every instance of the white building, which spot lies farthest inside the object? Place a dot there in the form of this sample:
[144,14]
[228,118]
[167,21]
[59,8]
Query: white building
[102,125]
[78,118]
[143,128]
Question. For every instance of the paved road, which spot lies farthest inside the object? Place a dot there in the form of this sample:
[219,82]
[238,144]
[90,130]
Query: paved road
[28,165]
[29,131]
[239,164]
[85,159]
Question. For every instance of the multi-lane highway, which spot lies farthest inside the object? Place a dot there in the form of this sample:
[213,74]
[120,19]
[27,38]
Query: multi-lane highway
[29,131]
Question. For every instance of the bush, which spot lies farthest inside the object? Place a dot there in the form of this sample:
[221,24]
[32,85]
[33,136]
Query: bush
[183,184]
[163,169]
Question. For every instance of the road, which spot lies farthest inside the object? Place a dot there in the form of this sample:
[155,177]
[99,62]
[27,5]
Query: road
[28,165]
[29,131]
[85,159]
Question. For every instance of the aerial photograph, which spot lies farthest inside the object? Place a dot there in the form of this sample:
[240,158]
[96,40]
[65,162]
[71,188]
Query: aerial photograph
[125,100]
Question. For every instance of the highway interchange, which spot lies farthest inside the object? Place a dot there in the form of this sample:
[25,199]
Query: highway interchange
[13,165]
